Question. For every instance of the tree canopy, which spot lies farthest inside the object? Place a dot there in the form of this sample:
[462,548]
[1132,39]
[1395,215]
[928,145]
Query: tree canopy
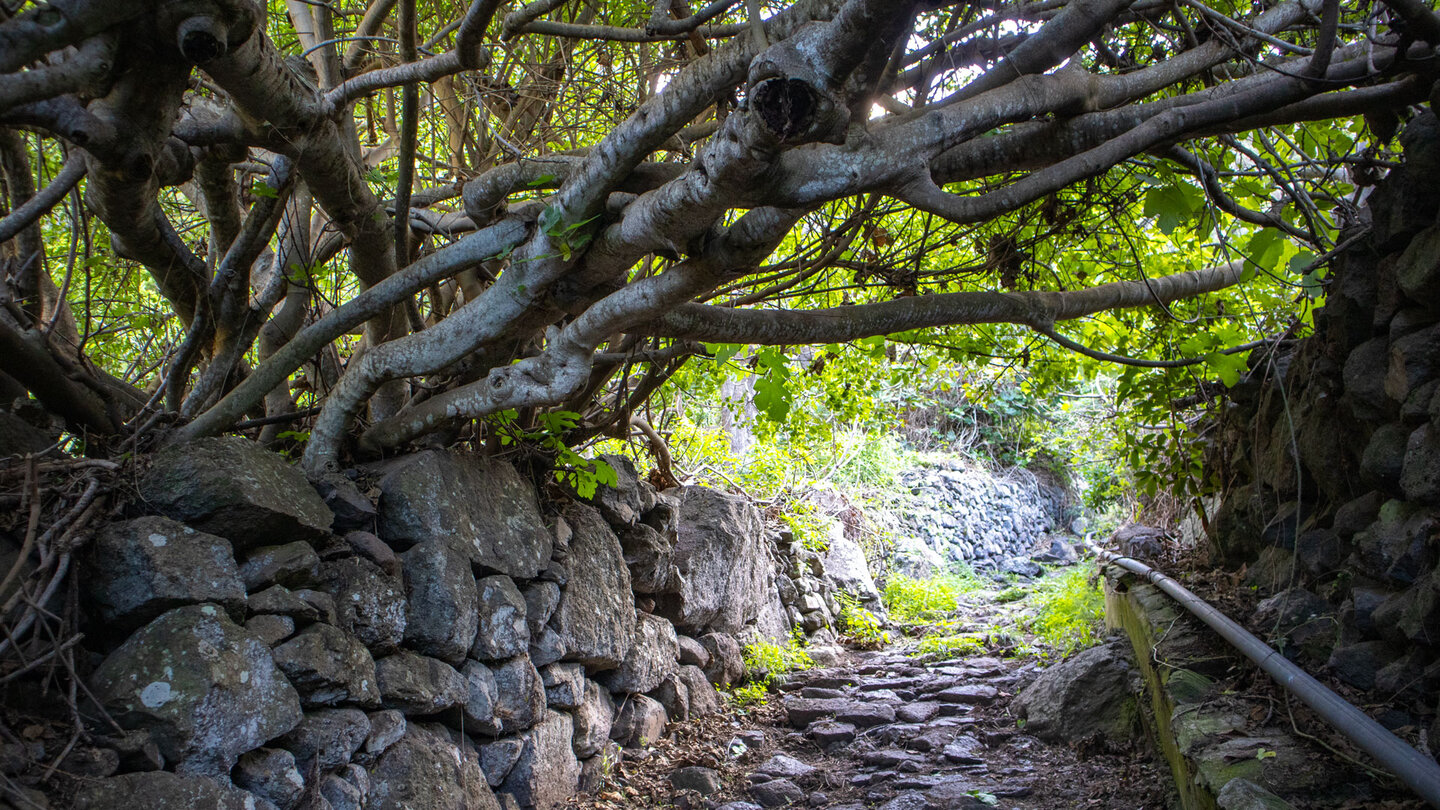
[397,218]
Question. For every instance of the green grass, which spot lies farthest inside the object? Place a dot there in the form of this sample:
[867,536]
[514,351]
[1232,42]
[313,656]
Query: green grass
[861,628]
[918,601]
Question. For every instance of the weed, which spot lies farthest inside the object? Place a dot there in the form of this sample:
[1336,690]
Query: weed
[951,646]
[765,661]
[861,627]
[1070,609]
[750,694]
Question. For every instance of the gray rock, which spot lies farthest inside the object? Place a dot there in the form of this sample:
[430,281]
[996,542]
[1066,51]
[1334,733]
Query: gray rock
[964,750]
[161,790]
[641,721]
[18,437]
[498,758]
[705,781]
[294,565]
[519,695]
[503,632]
[1358,664]
[271,629]
[692,651]
[595,770]
[564,685]
[428,769]
[648,556]
[207,690]
[547,772]
[369,603]
[1396,547]
[674,695]
[236,489]
[341,795]
[847,570]
[541,599]
[704,699]
[1091,694]
[596,616]
[652,657]
[478,711]
[386,729]
[1414,361]
[723,567]
[329,666]
[270,773]
[1384,458]
[327,738]
[727,663]
[1420,476]
[1242,794]
[801,712]
[547,648]
[278,600]
[623,503]
[419,685]
[975,694]
[777,793]
[828,732]
[783,766]
[479,505]
[136,570]
[593,719]
[372,548]
[442,601]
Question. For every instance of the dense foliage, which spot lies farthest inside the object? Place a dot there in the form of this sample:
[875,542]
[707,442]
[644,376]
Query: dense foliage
[348,227]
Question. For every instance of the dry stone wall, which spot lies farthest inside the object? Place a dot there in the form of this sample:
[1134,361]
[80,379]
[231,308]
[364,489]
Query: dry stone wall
[1330,451]
[957,512]
[445,640]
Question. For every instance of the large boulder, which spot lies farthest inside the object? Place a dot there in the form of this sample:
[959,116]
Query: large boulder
[429,769]
[477,714]
[596,615]
[161,790]
[502,631]
[236,489]
[846,568]
[723,563]
[481,506]
[207,690]
[652,657]
[442,612]
[138,569]
[547,772]
[1090,695]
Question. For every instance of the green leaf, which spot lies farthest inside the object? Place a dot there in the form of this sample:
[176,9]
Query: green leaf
[1169,205]
[773,399]
[551,220]
[260,188]
[542,180]
[723,352]
[1228,367]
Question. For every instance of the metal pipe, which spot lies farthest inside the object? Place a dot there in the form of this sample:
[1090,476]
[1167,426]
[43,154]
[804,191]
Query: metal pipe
[1421,773]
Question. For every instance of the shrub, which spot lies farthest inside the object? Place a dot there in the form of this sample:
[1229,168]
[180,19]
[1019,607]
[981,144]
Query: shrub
[764,660]
[951,646]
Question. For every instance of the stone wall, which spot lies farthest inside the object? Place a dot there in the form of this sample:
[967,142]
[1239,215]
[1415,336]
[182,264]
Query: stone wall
[426,634]
[957,512]
[1330,457]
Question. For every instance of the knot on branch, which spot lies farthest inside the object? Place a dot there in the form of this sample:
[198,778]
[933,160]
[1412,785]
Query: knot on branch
[786,106]
[201,38]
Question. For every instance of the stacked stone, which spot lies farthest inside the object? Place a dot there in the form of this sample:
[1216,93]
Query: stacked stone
[959,513]
[454,645]
[1347,531]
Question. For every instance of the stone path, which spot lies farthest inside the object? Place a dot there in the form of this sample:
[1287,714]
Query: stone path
[889,731]
[894,733]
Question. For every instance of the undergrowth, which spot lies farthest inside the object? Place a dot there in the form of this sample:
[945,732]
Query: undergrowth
[765,662]
[1070,611]
[917,601]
